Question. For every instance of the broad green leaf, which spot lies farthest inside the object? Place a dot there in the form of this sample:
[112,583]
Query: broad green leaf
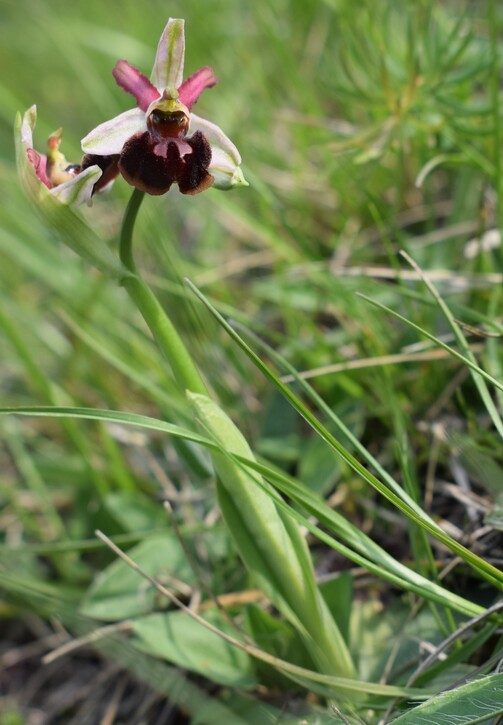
[317,467]
[178,638]
[135,511]
[279,638]
[325,684]
[118,592]
[476,702]
[338,594]
[202,708]
[279,438]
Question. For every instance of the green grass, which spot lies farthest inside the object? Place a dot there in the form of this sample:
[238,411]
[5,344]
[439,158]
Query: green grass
[338,319]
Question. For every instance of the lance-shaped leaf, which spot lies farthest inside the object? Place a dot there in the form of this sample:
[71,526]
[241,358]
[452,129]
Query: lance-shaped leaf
[270,544]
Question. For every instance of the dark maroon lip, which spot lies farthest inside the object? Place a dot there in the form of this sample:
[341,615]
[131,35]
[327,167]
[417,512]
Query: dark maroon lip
[154,165]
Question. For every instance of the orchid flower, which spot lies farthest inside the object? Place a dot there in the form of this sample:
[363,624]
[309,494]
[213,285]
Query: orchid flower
[64,181]
[162,142]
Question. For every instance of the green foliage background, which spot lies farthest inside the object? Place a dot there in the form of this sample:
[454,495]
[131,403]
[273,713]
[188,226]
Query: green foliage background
[338,108]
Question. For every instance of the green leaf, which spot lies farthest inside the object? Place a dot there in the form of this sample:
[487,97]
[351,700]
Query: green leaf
[338,594]
[118,592]
[135,512]
[278,638]
[318,467]
[476,702]
[253,711]
[178,638]
[279,439]
[270,543]
[202,708]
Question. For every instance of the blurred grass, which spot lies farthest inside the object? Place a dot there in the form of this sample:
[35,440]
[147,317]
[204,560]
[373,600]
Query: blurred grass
[337,108]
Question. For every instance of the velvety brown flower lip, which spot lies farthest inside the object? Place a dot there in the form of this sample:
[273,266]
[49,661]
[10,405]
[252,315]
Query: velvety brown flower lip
[153,166]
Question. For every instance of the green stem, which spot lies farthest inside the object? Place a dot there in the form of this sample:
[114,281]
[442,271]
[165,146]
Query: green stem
[157,319]
[126,238]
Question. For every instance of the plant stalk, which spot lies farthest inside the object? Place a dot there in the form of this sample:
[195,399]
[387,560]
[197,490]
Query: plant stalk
[273,549]
[159,323]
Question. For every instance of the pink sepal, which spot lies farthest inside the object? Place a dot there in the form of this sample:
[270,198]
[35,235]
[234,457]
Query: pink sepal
[191,89]
[132,81]
[39,163]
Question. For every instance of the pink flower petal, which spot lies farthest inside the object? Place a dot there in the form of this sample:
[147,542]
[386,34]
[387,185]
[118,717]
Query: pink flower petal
[132,81]
[191,89]
[168,64]
[39,163]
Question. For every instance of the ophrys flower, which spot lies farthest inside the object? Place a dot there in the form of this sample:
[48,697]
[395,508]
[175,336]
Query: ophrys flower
[66,182]
[161,142]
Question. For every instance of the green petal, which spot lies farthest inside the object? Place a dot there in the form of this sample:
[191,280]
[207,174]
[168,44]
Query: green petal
[168,65]
[79,189]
